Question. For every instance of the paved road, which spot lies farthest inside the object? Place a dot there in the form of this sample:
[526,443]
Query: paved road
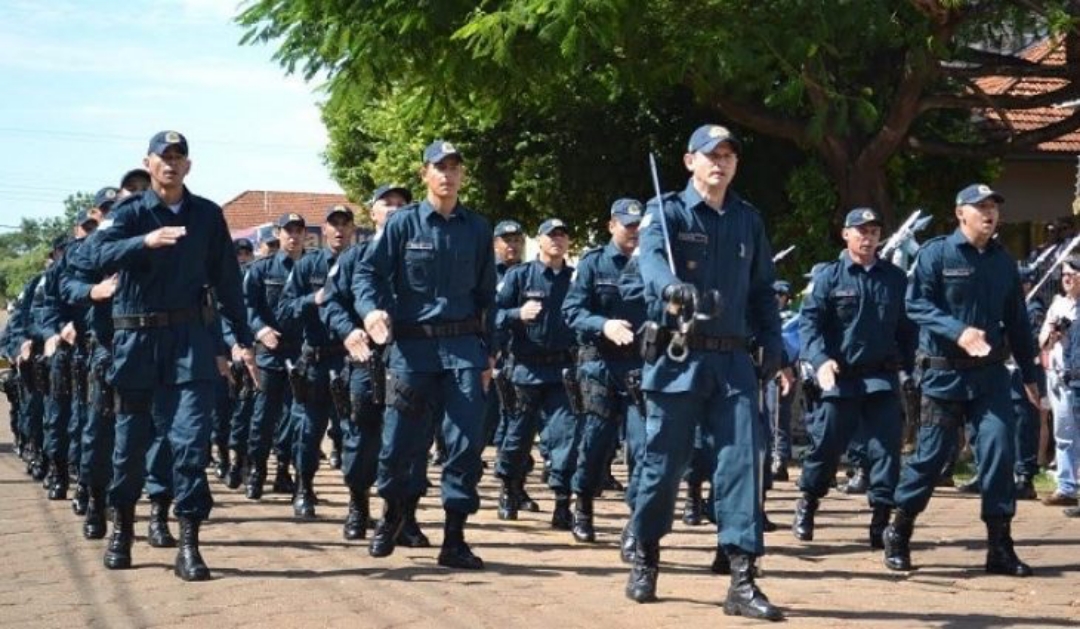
[270,570]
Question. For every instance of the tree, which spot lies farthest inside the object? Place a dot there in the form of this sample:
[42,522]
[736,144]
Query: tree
[861,90]
[23,252]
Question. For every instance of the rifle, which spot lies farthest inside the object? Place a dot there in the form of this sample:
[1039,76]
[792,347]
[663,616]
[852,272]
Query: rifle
[911,226]
[1057,262]
[783,254]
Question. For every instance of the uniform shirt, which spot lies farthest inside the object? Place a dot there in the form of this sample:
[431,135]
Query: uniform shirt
[39,327]
[955,286]
[297,310]
[81,275]
[20,317]
[426,268]
[855,316]
[56,312]
[544,335]
[169,279]
[338,311]
[595,295]
[263,285]
[725,250]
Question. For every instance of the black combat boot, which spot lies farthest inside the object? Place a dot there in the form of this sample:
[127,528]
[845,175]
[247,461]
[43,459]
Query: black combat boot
[878,521]
[304,500]
[743,597]
[189,562]
[94,524]
[897,540]
[803,525]
[1025,489]
[60,479]
[583,530]
[561,518]
[779,471]
[857,484]
[508,506]
[118,553]
[283,481]
[356,522]
[411,536]
[79,500]
[255,481]
[455,552]
[385,538]
[641,586]
[157,534]
[221,470]
[524,501]
[1000,556]
[692,507]
[236,470]
[721,563]
[335,454]
[39,471]
[627,544]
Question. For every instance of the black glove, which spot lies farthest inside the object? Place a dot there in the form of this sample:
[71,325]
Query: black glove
[679,293]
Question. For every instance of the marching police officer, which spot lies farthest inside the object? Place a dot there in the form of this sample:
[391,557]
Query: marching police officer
[965,297]
[275,348]
[427,282]
[173,252]
[856,336]
[298,312]
[609,364]
[362,425]
[701,372]
[243,388]
[777,404]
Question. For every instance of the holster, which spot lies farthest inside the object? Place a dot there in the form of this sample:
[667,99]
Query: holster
[504,388]
[104,399]
[40,367]
[80,376]
[60,387]
[236,387]
[208,304]
[339,391]
[298,382]
[633,389]
[376,367]
[651,342]
[573,390]
[10,383]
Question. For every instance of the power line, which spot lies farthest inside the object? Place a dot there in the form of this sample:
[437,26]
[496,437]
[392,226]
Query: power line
[82,136]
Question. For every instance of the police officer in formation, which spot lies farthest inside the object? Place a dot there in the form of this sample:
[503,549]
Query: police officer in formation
[965,296]
[428,285]
[705,375]
[856,336]
[609,364]
[242,387]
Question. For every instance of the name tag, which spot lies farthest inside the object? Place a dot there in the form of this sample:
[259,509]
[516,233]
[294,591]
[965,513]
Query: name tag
[534,294]
[845,292]
[420,245]
[962,271]
[693,237]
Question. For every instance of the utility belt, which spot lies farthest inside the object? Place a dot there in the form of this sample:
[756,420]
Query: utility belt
[961,363]
[702,342]
[861,371]
[606,351]
[283,347]
[438,330]
[157,319]
[564,357]
[324,352]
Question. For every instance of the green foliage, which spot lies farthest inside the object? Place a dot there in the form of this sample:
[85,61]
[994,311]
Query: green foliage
[23,252]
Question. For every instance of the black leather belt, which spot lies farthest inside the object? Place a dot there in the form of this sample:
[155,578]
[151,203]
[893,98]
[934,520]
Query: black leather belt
[437,330]
[717,343]
[962,363]
[283,347]
[608,351]
[325,352]
[156,319]
[565,357]
[858,371]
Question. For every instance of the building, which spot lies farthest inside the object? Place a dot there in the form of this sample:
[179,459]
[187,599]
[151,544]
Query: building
[252,213]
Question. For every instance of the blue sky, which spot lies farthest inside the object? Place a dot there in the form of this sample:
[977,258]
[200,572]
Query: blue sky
[86,83]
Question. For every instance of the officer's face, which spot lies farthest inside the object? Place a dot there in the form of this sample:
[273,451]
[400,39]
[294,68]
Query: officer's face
[625,237]
[292,238]
[98,214]
[243,256]
[979,221]
[714,169]
[168,169]
[443,180]
[338,231]
[133,184]
[509,248]
[385,206]
[555,243]
[862,241]
[782,300]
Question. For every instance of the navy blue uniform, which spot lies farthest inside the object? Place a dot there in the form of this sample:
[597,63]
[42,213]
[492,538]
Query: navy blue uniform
[264,283]
[435,276]
[164,364]
[596,296]
[49,319]
[23,329]
[855,316]
[955,286]
[539,351]
[725,250]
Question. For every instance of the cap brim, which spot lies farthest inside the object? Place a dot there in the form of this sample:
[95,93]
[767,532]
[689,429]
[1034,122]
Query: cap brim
[627,219]
[440,157]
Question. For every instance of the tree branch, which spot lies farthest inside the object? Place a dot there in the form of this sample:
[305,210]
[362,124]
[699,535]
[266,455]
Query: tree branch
[1003,101]
[997,148]
[762,120]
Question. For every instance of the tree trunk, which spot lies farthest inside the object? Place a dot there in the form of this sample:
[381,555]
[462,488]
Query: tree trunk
[859,183]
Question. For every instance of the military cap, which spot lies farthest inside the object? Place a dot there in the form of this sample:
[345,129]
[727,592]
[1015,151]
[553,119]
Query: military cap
[291,217]
[105,197]
[551,225]
[707,137]
[134,173]
[977,192]
[343,210]
[505,228]
[439,150]
[164,139]
[386,189]
[241,244]
[862,216]
[627,211]
[782,287]
[83,217]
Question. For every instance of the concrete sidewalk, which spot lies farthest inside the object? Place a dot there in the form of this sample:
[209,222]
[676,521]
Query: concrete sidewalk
[272,571]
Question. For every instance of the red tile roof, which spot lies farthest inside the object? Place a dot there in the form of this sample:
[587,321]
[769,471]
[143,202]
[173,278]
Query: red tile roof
[1050,52]
[257,207]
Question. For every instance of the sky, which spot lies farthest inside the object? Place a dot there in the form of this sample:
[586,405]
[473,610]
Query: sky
[86,84]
